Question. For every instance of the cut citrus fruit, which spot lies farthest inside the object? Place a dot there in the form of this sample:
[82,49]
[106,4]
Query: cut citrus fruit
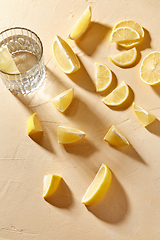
[99,186]
[150,68]
[7,63]
[82,24]
[144,116]
[50,184]
[124,35]
[34,125]
[64,56]
[103,77]
[63,100]
[115,137]
[134,25]
[124,59]
[67,135]
[117,96]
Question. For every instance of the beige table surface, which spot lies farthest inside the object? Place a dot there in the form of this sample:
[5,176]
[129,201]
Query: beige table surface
[131,207]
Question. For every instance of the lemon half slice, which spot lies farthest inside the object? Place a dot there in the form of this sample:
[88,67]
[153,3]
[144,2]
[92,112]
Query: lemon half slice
[115,137]
[64,56]
[144,116]
[99,186]
[117,96]
[67,135]
[50,184]
[103,77]
[134,25]
[34,125]
[150,68]
[82,24]
[63,100]
[7,63]
[124,59]
[124,35]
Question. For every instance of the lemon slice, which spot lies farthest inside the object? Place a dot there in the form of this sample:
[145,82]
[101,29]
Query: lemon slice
[82,24]
[64,56]
[115,137]
[117,96]
[150,68]
[7,63]
[50,184]
[124,59]
[67,135]
[99,186]
[103,77]
[124,35]
[63,100]
[143,115]
[34,125]
[134,25]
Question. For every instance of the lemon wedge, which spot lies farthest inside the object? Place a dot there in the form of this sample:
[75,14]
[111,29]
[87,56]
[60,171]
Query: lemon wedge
[103,77]
[115,137]
[7,63]
[150,68]
[144,116]
[124,59]
[34,125]
[63,100]
[50,184]
[64,56]
[124,35]
[67,135]
[82,24]
[117,96]
[133,25]
[99,186]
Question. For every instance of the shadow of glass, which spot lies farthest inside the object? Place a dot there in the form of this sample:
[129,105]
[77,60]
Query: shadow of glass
[113,207]
[126,104]
[83,148]
[154,127]
[62,198]
[94,35]
[82,78]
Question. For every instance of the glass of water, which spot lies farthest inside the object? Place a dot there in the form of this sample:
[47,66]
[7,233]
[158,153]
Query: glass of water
[27,51]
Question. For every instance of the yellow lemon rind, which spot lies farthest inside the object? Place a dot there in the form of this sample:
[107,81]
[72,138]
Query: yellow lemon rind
[66,96]
[69,135]
[101,189]
[115,137]
[122,55]
[99,78]
[69,58]
[52,185]
[86,16]
[34,125]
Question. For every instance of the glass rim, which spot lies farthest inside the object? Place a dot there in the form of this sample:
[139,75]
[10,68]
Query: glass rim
[41,56]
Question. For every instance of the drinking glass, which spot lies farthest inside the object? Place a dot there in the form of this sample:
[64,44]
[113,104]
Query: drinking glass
[27,51]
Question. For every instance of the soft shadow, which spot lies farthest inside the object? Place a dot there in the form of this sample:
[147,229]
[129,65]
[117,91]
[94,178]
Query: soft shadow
[62,198]
[83,148]
[82,78]
[113,207]
[94,35]
[132,153]
[146,42]
[156,89]
[43,140]
[154,127]
[112,86]
[126,104]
